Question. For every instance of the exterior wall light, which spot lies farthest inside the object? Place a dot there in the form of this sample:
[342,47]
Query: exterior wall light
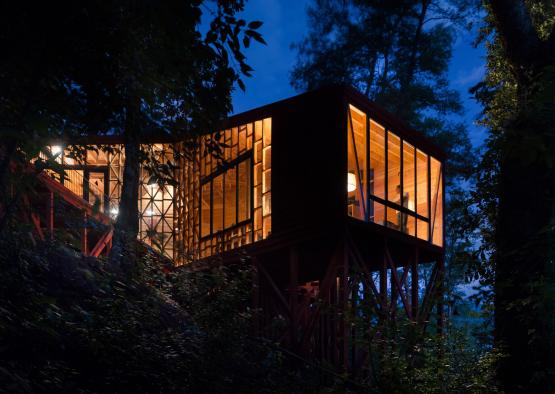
[114,212]
[351,182]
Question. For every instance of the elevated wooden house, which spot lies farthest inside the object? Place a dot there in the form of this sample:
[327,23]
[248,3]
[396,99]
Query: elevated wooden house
[332,198]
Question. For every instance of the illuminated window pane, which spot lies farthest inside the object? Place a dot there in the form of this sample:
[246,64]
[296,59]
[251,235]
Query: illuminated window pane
[267,157]
[356,176]
[205,210]
[244,191]
[257,174]
[74,181]
[377,160]
[408,224]
[437,201]
[266,204]
[421,183]
[393,219]
[377,213]
[394,168]
[242,139]
[267,181]
[230,207]
[218,203]
[408,176]
[267,226]
[422,230]
[257,196]
[258,130]
[267,126]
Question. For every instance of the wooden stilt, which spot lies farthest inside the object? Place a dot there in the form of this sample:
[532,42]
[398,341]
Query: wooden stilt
[414,285]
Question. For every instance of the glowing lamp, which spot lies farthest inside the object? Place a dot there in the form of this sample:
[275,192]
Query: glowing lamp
[114,212]
[55,149]
[351,182]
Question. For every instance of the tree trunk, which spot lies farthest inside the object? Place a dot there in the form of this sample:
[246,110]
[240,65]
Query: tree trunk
[127,223]
[525,233]
[524,273]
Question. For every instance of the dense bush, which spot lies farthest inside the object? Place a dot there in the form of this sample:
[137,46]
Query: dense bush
[74,324]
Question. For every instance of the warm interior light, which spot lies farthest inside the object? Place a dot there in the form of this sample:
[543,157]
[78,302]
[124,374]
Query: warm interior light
[411,205]
[351,182]
[55,149]
[114,212]
[149,212]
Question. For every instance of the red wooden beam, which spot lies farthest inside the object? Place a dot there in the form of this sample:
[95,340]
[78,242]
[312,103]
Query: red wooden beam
[102,243]
[397,283]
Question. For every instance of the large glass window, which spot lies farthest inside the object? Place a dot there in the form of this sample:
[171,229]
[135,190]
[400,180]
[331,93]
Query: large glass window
[226,198]
[400,185]
[235,186]
[436,202]
[356,175]
[393,168]
[377,160]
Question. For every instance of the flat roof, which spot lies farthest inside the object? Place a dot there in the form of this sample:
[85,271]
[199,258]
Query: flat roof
[350,95]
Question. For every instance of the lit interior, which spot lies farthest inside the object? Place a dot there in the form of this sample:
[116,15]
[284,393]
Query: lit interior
[399,187]
[226,202]
[98,178]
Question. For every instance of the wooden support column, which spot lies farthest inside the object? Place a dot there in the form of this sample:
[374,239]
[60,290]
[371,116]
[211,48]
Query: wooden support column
[383,281]
[440,291]
[414,285]
[394,288]
[344,305]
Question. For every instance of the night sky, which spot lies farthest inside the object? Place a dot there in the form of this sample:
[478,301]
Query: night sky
[285,22]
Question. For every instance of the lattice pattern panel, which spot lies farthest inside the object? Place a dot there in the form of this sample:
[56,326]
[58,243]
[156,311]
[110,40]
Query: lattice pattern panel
[216,155]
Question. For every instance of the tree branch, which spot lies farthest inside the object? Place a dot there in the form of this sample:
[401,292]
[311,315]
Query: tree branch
[517,33]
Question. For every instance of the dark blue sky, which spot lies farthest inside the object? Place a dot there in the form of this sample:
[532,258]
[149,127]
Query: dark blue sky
[285,22]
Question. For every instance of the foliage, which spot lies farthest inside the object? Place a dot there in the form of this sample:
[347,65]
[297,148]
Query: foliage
[134,68]
[397,53]
[513,198]
[74,324]
[437,365]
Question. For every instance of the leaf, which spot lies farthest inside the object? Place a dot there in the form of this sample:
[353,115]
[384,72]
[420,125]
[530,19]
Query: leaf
[255,24]
[241,85]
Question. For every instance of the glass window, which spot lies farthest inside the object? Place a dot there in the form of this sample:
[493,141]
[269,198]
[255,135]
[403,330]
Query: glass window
[229,195]
[421,183]
[437,201]
[244,197]
[205,210]
[218,203]
[356,175]
[408,176]
[393,168]
[422,229]
[377,213]
[393,218]
[390,182]
[377,160]
[408,224]
[230,210]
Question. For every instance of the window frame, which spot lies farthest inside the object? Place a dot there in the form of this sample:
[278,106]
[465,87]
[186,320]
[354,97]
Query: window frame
[370,197]
[207,179]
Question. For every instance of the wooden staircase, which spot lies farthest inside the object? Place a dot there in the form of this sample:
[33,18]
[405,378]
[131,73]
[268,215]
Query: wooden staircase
[53,210]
